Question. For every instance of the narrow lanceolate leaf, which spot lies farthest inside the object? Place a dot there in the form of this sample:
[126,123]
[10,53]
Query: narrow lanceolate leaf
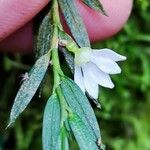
[43,39]
[81,133]
[74,21]
[69,59]
[51,124]
[29,87]
[96,5]
[81,106]
[64,36]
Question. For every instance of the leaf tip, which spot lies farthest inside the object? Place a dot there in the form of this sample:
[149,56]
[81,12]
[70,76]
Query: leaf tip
[9,124]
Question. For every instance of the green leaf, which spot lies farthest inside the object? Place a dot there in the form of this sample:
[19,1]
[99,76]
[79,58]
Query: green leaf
[69,59]
[74,21]
[81,133]
[64,36]
[96,5]
[29,87]
[51,124]
[44,36]
[81,106]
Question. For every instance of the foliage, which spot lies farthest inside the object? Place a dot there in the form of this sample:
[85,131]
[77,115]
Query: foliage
[124,117]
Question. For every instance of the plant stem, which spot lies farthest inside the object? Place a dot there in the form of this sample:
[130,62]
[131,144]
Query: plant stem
[55,59]
[55,14]
[55,62]
[64,106]
[54,45]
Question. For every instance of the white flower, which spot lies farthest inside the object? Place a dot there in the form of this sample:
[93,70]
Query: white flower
[92,68]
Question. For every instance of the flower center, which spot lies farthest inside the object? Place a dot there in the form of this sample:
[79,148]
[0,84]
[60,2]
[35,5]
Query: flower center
[82,56]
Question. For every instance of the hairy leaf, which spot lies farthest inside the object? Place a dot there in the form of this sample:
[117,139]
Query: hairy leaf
[81,106]
[64,36]
[44,36]
[51,124]
[69,59]
[29,87]
[81,133]
[96,5]
[74,21]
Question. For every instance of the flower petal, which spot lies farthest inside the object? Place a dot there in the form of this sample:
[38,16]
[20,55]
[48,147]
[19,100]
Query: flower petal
[78,78]
[106,65]
[90,85]
[109,54]
[99,76]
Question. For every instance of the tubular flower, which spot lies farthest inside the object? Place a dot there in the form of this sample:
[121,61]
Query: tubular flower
[92,68]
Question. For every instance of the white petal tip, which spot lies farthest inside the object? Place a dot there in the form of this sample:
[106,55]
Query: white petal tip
[109,54]
[94,97]
[111,86]
[119,71]
[116,71]
[122,58]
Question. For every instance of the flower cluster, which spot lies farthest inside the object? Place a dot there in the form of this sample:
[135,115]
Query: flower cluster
[92,68]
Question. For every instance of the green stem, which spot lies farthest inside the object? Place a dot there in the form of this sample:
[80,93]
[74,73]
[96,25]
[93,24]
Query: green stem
[64,139]
[54,45]
[71,46]
[55,61]
[55,14]
[55,58]
[64,106]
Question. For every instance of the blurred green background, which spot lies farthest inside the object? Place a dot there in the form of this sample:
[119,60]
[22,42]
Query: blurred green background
[125,115]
